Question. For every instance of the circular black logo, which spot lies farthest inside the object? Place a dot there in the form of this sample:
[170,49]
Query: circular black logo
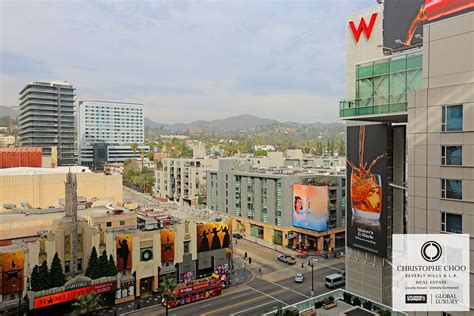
[428,253]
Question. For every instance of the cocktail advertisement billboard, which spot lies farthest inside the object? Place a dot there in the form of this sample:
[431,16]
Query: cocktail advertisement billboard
[310,207]
[404,19]
[367,188]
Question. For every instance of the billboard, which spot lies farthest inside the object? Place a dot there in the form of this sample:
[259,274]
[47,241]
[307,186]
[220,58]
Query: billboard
[167,245]
[12,271]
[213,236]
[310,207]
[124,252]
[367,188]
[404,19]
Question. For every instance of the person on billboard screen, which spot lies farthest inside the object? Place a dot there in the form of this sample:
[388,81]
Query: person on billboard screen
[299,215]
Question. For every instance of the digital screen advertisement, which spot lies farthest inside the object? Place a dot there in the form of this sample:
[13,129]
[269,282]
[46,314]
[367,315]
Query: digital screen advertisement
[430,272]
[310,207]
[124,252]
[12,271]
[367,190]
[404,19]
[213,236]
[167,245]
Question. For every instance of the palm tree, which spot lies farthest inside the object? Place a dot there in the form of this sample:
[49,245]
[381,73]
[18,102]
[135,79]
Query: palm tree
[166,288]
[87,303]
[134,147]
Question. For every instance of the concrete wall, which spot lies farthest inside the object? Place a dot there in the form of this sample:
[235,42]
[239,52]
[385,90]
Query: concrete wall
[448,79]
[45,190]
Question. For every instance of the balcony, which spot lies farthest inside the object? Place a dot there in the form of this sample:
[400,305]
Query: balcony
[381,89]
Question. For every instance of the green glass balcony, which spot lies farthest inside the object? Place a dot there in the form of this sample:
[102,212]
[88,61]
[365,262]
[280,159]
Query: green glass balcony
[382,86]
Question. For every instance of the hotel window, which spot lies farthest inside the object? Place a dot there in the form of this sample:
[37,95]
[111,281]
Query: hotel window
[186,247]
[109,224]
[451,155]
[451,118]
[122,223]
[451,223]
[451,189]
[67,266]
[79,264]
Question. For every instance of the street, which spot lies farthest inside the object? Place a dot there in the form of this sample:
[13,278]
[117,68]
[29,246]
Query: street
[274,286]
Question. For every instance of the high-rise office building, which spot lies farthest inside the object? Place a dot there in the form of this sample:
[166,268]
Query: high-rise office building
[47,118]
[408,106]
[106,131]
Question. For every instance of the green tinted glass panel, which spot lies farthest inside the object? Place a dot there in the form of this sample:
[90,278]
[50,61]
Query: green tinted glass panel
[397,65]
[381,68]
[414,79]
[366,88]
[414,62]
[365,71]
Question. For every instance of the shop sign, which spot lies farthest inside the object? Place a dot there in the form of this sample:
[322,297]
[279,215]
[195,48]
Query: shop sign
[67,296]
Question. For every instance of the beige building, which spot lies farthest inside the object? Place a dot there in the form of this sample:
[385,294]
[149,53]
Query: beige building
[440,135]
[7,140]
[43,187]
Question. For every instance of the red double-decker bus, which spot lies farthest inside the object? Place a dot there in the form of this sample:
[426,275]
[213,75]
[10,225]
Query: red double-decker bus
[194,291]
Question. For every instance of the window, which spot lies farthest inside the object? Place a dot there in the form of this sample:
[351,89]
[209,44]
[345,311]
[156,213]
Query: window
[451,118]
[109,224]
[451,223]
[451,155]
[451,189]
[79,264]
[186,247]
[122,223]
[67,268]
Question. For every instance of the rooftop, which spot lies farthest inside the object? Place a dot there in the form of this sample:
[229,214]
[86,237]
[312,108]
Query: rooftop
[33,171]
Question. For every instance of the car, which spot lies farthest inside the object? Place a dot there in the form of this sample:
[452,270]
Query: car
[287,259]
[237,235]
[299,278]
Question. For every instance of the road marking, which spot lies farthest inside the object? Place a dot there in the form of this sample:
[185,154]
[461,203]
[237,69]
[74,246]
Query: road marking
[327,266]
[249,309]
[287,288]
[247,301]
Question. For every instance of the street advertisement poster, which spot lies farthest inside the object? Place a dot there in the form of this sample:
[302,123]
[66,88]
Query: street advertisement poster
[403,20]
[367,188]
[430,272]
[213,236]
[12,271]
[310,207]
[124,252]
[167,245]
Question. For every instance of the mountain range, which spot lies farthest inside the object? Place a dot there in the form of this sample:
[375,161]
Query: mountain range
[234,123]
[9,111]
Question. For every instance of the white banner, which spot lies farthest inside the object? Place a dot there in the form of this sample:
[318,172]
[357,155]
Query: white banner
[430,272]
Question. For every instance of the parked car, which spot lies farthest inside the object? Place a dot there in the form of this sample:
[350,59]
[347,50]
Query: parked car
[287,259]
[237,235]
[335,280]
[299,278]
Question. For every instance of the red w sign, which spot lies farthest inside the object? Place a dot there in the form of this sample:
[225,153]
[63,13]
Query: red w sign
[363,27]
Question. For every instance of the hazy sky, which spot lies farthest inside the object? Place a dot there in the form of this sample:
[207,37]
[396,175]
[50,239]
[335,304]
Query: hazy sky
[185,60]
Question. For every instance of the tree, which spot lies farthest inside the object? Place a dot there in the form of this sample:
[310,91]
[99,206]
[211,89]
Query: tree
[35,285]
[43,277]
[93,269]
[103,264]
[87,303]
[134,148]
[112,267]
[166,288]
[56,274]
[260,152]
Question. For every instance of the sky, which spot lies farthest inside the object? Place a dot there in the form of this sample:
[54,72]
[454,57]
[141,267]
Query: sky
[184,60]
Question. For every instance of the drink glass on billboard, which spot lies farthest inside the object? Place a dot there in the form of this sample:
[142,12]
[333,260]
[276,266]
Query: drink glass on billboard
[366,196]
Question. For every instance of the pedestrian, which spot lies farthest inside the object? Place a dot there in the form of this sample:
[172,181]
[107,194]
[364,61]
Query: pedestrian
[138,305]
[302,264]
[246,254]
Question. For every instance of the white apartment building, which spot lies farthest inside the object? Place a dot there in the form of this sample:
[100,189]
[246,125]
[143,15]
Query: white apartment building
[106,131]
[183,179]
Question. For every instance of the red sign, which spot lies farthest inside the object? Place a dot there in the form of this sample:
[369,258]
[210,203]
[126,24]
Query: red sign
[363,27]
[67,296]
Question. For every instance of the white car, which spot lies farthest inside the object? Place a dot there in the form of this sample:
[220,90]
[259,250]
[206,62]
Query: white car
[299,278]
